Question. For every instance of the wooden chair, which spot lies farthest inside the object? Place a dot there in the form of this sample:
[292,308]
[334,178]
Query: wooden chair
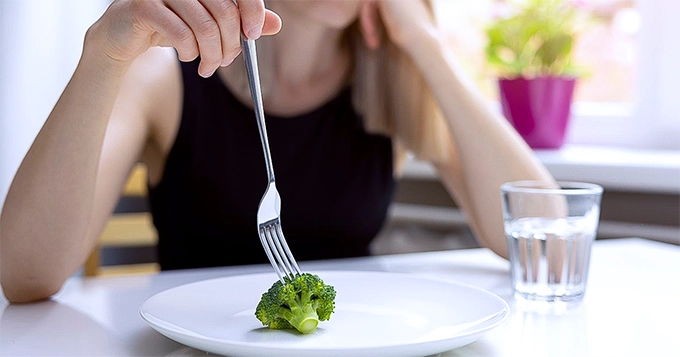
[127,228]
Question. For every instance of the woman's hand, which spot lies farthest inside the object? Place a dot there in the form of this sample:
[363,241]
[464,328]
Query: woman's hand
[405,21]
[210,29]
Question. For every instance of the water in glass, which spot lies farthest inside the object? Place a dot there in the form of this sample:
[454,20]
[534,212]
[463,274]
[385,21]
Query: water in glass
[550,257]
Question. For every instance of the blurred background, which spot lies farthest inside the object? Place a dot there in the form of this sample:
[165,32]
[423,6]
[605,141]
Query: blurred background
[624,132]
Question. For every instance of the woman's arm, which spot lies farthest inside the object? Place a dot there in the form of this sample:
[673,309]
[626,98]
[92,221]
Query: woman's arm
[487,151]
[72,175]
[50,201]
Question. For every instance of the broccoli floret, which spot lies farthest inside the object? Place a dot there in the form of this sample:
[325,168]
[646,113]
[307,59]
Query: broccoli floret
[300,303]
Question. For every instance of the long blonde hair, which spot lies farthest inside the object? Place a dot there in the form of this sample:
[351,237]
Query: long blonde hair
[394,99]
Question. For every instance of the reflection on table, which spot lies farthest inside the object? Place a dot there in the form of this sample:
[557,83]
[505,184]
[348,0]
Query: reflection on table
[630,308]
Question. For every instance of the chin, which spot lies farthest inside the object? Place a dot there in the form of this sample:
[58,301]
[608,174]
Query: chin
[332,13]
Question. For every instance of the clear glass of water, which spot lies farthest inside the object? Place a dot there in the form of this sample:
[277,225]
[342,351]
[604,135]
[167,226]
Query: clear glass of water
[550,227]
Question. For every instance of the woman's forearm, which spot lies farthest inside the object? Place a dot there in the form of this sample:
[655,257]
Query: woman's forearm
[489,150]
[47,210]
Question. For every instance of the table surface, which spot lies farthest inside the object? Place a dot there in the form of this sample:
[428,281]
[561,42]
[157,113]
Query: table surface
[631,307]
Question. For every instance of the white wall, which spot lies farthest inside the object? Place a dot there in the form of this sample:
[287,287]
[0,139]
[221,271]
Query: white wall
[40,44]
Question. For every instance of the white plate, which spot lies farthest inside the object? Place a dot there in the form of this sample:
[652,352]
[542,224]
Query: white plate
[376,314]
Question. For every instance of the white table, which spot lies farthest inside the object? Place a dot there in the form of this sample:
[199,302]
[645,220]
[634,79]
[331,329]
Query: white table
[631,308]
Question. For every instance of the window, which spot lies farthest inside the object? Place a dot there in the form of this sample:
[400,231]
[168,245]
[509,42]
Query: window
[629,51]
[40,44]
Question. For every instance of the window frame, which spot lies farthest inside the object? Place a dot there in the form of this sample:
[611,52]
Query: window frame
[650,121]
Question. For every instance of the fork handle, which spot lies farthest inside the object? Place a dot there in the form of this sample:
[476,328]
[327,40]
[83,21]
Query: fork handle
[250,58]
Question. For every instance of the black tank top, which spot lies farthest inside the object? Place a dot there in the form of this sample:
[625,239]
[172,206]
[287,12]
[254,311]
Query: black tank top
[335,181]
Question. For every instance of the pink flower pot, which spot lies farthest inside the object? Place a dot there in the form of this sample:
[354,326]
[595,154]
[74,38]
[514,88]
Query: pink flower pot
[538,108]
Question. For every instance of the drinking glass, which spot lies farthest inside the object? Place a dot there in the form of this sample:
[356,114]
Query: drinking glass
[550,227]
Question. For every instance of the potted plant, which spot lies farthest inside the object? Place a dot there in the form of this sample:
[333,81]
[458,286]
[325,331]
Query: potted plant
[531,48]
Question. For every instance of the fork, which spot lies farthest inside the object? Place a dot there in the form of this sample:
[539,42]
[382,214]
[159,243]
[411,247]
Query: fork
[269,211]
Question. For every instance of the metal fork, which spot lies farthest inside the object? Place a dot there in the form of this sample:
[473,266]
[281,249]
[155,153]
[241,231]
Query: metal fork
[269,211]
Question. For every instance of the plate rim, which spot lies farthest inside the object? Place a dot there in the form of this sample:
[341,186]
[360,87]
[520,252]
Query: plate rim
[496,319]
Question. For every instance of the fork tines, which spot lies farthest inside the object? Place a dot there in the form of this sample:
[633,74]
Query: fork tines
[277,250]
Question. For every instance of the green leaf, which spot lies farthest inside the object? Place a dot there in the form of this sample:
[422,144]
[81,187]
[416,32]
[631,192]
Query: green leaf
[538,39]
[554,49]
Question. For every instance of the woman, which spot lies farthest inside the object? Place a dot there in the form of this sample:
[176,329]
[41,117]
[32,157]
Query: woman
[349,87]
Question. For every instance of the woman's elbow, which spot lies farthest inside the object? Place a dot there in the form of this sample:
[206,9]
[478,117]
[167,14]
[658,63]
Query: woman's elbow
[23,290]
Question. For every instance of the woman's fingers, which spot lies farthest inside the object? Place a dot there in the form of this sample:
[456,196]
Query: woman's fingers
[252,17]
[210,29]
[206,31]
[406,20]
[245,16]
[272,23]
[173,31]
[217,26]
[227,16]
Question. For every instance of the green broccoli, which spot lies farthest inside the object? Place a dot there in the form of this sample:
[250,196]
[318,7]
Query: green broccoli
[300,303]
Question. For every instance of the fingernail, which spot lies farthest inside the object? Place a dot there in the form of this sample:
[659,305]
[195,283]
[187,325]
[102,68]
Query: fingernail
[207,74]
